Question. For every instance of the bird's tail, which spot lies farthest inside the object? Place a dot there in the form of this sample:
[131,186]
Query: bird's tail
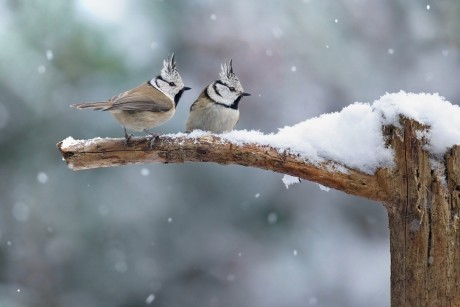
[102,105]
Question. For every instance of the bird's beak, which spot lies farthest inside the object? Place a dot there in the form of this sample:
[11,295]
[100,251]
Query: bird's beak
[186,88]
[245,94]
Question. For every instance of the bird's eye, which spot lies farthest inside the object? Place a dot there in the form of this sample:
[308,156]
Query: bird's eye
[172,84]
[232,89]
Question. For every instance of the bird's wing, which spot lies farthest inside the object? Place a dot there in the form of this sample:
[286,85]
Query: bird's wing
[142,98]
[200,102]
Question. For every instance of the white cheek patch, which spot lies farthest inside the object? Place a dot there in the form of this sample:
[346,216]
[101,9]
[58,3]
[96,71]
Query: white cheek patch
[165,90]
[218,96]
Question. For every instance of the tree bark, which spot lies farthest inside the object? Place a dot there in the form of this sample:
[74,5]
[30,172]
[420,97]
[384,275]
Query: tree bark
[423,203]
[211,148]
[423,212]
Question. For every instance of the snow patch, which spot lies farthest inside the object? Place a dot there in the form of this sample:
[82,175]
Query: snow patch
[290,180]
[440,116]
[353,137]
[68,142]
[323,188]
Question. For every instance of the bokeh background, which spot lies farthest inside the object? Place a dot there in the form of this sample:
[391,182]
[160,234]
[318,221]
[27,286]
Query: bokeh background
[199,234]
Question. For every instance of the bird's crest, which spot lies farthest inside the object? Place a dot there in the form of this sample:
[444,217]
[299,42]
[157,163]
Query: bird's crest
[227,73]
[169,65]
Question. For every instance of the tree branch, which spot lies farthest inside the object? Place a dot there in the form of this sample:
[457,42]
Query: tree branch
[423,201]
[87,154]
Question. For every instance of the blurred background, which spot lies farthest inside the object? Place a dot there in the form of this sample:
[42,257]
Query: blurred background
[199,234]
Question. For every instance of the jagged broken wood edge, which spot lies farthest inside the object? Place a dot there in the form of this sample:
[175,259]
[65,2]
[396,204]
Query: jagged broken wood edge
[108,152]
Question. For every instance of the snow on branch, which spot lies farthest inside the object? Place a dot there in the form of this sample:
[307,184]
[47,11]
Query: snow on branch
[87,154]
[341,150]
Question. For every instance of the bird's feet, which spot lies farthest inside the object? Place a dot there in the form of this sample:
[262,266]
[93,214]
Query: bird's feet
[127,138]
[152,138]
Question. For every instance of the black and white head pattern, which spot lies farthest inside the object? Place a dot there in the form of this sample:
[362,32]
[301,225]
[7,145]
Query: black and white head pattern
[169,81]
[227,90]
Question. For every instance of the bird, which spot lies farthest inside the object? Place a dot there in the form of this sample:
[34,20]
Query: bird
[216,109]
[148,105]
